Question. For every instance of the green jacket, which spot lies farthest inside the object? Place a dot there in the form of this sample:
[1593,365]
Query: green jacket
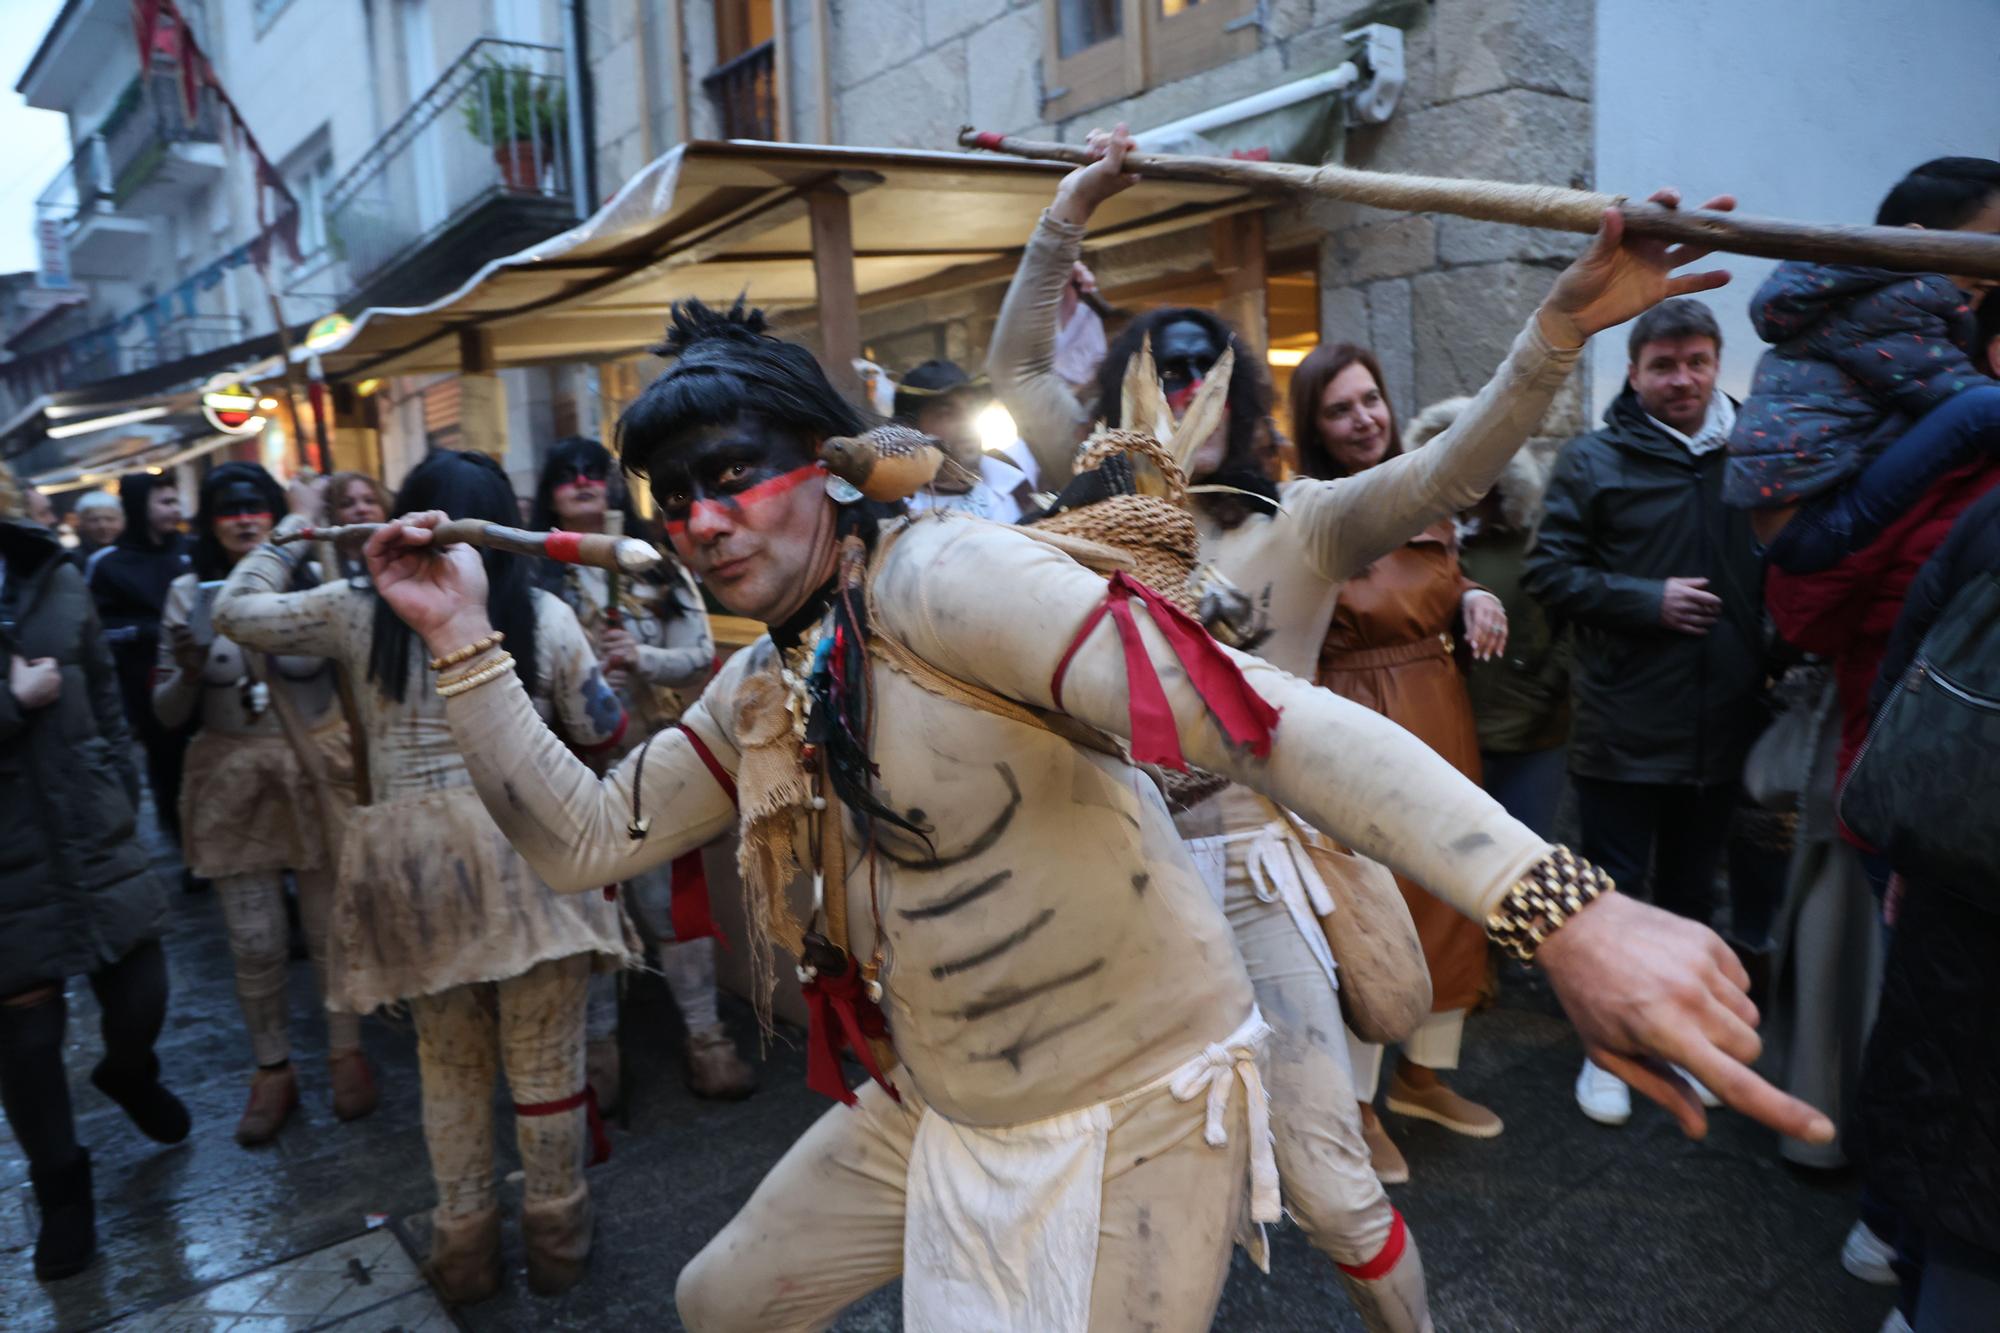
[1520,699]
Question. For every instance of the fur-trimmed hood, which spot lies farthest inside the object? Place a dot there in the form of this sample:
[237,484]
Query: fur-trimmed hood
[1522,483]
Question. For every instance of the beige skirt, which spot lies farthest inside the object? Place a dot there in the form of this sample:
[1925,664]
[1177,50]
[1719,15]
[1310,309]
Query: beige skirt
[247,807]
[431,895]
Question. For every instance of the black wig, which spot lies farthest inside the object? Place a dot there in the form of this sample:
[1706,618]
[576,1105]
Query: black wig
[210,560]
[1250,461]
[726,365]
[463,485]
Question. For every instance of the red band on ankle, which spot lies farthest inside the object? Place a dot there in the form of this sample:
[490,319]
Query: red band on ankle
[1391,1255]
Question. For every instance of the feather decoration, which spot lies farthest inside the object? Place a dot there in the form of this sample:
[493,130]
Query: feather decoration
[1205,413]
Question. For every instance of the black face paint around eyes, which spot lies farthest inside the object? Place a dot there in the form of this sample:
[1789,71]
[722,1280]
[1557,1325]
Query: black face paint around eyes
[1184,353]
[720,462]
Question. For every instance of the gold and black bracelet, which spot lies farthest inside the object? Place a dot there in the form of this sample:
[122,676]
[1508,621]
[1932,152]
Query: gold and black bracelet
[1555,889]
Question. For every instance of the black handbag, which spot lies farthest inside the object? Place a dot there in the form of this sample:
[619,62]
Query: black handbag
[1925,786]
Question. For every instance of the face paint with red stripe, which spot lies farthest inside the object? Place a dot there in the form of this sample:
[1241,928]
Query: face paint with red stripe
[745,508]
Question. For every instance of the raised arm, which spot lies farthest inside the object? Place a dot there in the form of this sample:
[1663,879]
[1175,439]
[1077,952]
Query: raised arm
[1643,987]
[1023,354]
[257,609]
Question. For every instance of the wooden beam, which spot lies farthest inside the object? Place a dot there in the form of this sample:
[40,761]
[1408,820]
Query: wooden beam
[1242,265]
[833,280]
[475,350]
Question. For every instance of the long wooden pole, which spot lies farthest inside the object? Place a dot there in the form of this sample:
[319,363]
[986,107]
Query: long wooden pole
[1555,208]
[630,554]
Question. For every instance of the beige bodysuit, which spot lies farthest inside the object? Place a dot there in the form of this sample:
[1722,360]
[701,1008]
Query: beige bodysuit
[1291,564]
[1054,952]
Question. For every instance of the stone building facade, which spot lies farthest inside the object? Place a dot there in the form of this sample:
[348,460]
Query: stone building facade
[1498,89]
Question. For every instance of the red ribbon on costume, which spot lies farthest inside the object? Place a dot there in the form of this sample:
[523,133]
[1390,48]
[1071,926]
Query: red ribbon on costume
[709,761]
[688,905]
[841,1000]
[600,1138]
[1244,716]
[1391,1253]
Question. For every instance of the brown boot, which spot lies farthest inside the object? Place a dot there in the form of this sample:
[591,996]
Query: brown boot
[600,1070]
[557,1235]
[1421,1094]
[354,1092]
[715,1069]
[1383,1154]
[273,1095]
[464,1264]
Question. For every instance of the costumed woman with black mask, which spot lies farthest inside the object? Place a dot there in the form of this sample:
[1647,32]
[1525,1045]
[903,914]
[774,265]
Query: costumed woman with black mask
[1287,549]
[656,653]
[249,811]
[432,907]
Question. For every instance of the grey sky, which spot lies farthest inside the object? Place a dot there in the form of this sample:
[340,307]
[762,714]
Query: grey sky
[33,144]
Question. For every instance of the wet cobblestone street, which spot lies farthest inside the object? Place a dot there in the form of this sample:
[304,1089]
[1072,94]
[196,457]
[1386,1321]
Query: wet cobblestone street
[1559,1224]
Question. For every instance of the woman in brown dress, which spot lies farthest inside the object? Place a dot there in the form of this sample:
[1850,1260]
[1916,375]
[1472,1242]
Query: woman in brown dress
[1390,647]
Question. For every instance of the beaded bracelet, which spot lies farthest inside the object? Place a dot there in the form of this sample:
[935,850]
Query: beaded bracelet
[1559,886]
[467,653]
[493,670]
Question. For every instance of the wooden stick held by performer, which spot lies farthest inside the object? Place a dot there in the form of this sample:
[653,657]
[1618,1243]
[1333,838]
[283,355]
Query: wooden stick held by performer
[627,554]
[1553,208]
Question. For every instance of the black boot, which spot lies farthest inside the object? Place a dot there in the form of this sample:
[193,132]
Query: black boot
[68,1238]
[159,1114]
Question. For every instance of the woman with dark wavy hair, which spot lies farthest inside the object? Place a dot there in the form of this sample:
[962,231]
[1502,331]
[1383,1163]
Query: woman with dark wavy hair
[248,809]
[433,908]
[656,652]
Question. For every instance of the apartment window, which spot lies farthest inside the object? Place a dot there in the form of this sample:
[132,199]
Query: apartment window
[1099,51]
[308,174]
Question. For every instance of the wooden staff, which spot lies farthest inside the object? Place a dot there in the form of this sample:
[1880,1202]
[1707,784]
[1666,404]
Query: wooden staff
[628,554]
[1554,208]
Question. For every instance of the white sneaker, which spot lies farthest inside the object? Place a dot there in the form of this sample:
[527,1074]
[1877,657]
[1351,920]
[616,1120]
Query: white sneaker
[1867,1256]
[1603,1095]
[1708,1099]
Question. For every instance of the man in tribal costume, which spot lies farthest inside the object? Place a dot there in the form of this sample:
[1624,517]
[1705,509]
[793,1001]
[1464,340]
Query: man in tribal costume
[931,730]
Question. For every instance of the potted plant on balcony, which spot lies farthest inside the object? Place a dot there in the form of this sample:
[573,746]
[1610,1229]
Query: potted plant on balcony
[519,114]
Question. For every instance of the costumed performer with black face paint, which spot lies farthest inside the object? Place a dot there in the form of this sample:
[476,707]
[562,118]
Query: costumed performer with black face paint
[433,907]
[1287,550]
[1064,1143]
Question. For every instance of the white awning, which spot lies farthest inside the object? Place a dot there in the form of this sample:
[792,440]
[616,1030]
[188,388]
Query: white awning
[717,219]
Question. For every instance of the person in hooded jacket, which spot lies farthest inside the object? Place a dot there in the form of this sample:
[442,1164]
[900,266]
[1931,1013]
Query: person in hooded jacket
[76,895]
[1661,582]
[129,581]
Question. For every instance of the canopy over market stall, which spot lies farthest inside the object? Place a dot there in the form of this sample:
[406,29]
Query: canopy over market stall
[814,235]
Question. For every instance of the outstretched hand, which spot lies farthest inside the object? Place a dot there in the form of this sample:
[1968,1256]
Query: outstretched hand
[1648,990]
[1620,277]
[439,591]
[1084,189]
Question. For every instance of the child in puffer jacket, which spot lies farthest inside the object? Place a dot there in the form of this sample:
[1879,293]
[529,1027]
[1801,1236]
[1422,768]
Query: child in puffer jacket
[1871,390]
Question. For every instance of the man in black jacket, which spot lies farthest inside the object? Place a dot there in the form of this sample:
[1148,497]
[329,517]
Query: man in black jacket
[129,580]
[1663,584]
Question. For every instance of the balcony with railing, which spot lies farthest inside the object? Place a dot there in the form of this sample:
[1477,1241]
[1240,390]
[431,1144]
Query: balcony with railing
[744,90]
[478,167]
[142,158]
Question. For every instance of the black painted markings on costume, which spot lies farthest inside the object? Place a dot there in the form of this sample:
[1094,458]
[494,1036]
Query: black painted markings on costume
[996,1001]
[956,899]
[995,949]
[1027,1041]
[978,846]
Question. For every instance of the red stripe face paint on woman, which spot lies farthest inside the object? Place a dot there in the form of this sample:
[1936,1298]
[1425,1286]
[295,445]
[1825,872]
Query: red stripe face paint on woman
[746,510]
